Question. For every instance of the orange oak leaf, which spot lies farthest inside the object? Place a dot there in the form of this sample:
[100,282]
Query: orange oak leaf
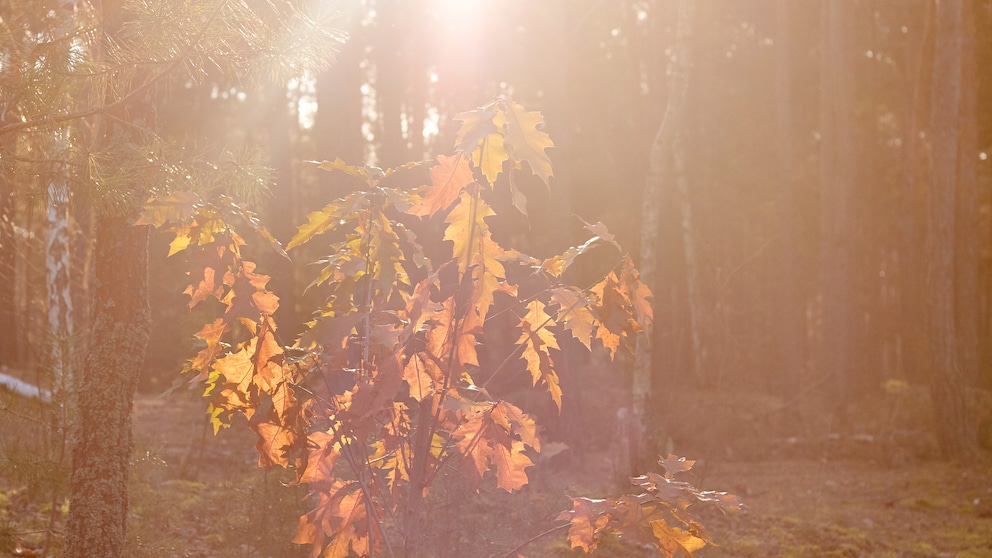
[488,441]
[338,526]
[672,540]
[586,519]
[674,465]
[574,313]
[275,441]
[536,339]
[448,179]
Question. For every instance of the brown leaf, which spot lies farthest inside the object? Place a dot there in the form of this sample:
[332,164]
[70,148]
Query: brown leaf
[177,206]
[448,179]
[674,465]
[537,339]
[671,540]
[586,518]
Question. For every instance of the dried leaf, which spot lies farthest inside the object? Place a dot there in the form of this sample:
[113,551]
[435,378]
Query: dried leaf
[526,141]
[448,180]
[671,540]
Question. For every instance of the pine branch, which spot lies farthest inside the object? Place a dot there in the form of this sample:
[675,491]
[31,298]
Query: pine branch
[134,92]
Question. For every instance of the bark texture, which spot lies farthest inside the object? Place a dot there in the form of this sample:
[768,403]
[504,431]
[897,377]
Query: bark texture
[837,180]
[8,307]
[101,454]
[652,200]
[967,263]
[954,432]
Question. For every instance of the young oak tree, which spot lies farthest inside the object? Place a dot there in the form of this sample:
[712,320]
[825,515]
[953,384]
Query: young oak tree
[384,390]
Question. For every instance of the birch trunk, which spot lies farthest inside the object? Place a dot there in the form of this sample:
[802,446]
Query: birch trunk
[57,279]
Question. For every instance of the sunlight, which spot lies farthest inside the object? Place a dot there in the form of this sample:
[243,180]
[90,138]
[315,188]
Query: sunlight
[459,23]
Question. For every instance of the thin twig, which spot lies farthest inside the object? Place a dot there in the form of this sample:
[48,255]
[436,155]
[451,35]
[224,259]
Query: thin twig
[511,553]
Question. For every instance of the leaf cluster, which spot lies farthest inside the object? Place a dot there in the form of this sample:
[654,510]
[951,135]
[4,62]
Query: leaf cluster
[660,515]
[384,390]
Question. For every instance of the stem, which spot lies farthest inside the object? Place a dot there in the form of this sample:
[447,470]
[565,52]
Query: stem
[513,552]
[418,474]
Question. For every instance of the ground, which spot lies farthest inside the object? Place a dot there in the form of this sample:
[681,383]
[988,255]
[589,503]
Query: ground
[196,495]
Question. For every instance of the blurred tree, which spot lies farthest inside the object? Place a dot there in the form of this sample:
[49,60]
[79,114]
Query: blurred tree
[791,331]
[966,201]
[90,76]
[838,176]
[952,128]
[8,305]
[665,147]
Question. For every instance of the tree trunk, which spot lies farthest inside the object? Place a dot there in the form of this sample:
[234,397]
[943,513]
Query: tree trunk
[279,130]
[837,180]
[946,382]
[911,356]
[966,244]
[338,123]
[651,216]
[8,304]
[118,336]
[791,313]
[691,265]
[121,327]
[58,281]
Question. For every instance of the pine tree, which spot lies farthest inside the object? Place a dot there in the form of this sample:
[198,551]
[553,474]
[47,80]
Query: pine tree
[80,85]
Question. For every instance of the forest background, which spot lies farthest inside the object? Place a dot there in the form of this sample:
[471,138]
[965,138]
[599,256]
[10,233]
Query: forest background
[796,223]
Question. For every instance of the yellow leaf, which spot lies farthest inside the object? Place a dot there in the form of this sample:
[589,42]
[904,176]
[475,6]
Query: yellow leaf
[332,216]
[536,339]
[527,142]
[182,240]
[574,313]
[177,206]
[371,175]
[448,180]
[671,540]
[490,156]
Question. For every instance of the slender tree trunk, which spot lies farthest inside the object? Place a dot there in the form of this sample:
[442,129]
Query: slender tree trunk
[946,382]
[98,485]
[911,355]
[338,123]
[691,264]
[414,534]
[8,304]
[390,50]
[651,216]
[791,313]
[966,245]
[58,281]
[837,181]
[281,208]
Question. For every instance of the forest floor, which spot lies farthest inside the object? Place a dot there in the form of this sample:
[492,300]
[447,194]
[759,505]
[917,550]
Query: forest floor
[197,495]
